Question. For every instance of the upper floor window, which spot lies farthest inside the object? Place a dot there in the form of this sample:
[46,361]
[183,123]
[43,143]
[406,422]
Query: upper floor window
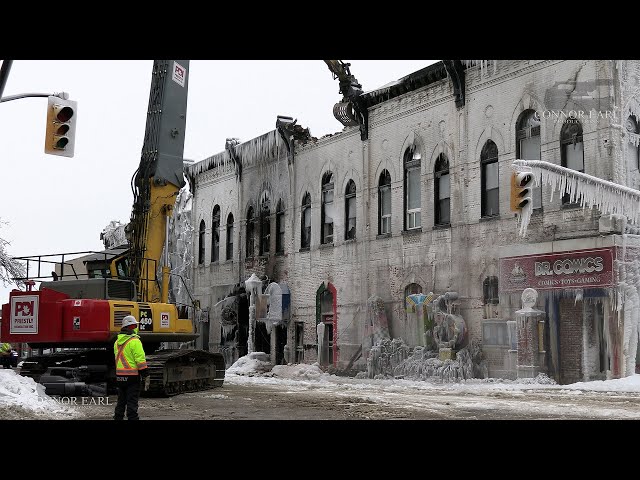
[201,236]
[230,237]
[327,213]
[490,202]
[633,144]
[305,230]
[250,232]
[442,191]
[265,223]
[350,210]
[384,203]
[571,150]
[528,146]
[215,235]
[280,227]
[412,200]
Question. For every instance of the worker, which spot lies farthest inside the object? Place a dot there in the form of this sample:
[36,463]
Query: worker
[131,369]
[5,355]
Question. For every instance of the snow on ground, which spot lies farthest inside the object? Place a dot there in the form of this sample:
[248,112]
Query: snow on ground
[22,398]
[255,368]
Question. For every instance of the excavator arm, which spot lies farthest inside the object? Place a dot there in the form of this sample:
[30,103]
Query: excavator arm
[351,111]
[158,180]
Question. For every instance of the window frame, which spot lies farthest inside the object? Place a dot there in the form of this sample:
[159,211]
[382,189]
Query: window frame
[202,229]
[522,133]
[250,233]
[215,235]
[280,225]
[326,238]
[265,225]
[412,163]
[441,169]
[304,209]
[229,246]
[383,190]
[485,161]
[350,197]
[568,138]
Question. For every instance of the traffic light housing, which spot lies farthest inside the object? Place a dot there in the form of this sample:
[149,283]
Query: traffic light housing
[521,186]
[61,126]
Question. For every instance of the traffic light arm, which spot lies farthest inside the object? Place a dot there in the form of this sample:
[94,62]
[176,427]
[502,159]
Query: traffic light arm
[63,95]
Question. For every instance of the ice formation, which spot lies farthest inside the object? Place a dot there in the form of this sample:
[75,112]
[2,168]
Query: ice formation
[394,358]
[113,235]
[589,191]
[181,247]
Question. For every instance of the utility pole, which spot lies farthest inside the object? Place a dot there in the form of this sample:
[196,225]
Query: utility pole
[4,74]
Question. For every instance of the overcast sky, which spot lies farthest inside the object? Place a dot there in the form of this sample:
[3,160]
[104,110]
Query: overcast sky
[56,204]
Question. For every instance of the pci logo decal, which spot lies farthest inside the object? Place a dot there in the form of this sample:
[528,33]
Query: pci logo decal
[24,315]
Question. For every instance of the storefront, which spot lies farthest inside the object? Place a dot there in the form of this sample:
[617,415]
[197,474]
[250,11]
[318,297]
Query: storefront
[582,291]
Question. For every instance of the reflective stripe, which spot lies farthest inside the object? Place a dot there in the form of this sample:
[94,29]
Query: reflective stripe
[120,371]
[120,355]
[142,365]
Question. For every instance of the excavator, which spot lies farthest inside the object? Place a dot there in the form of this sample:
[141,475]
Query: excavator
[76,313]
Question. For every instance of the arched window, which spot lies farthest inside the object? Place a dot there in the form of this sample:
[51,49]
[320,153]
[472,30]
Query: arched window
[442,191]
[230,237]
[384,203]
[490,202]
[412,199]
[280,227]
[305,231]
[528,146]
[215,235]
[201,234]
[327,212]
[571,150]
[490,291]
[350,210]
[633,137]
[250,232]
[265,223]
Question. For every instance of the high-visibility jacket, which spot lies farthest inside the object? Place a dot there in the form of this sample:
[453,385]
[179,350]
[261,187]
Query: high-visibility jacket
[5,348]
[130,358]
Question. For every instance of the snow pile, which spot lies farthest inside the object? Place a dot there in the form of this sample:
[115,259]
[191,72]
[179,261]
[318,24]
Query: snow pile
[255,363]
[299,371]
[22,398]
[541,379]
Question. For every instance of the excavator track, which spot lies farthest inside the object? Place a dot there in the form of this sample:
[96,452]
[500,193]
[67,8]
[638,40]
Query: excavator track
[178,371]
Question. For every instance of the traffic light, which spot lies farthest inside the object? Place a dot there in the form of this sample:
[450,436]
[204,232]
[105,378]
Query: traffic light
[521,185]
[61,126]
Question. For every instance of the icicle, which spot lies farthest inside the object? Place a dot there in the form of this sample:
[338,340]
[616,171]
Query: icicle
[609,197]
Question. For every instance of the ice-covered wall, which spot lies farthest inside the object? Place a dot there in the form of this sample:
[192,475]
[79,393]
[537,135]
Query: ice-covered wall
[181,238]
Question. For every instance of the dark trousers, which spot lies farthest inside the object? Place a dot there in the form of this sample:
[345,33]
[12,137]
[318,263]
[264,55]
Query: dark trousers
[128,395]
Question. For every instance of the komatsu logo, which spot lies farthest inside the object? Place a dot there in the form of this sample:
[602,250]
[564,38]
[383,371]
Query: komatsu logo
[24,315]
[570,266]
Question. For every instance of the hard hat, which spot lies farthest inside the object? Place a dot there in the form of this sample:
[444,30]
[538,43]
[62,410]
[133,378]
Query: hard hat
[129,320]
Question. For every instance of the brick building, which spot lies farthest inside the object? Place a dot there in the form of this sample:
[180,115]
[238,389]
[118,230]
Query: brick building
[418,200]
